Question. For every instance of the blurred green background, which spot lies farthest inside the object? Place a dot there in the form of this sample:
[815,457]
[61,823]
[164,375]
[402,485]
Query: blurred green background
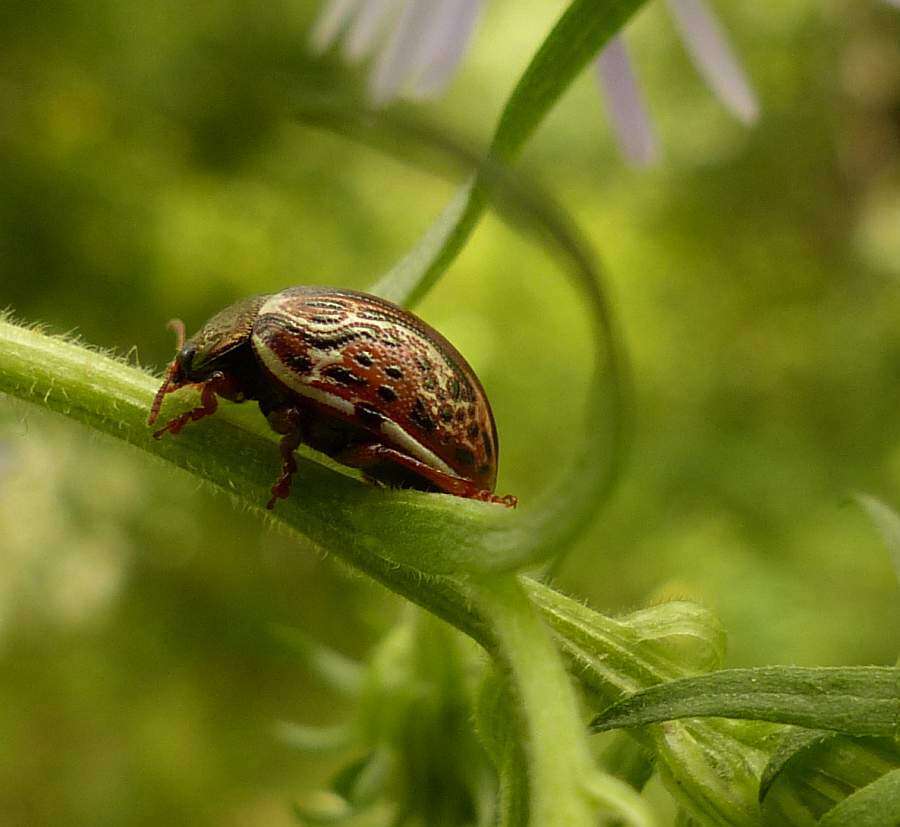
[147,170]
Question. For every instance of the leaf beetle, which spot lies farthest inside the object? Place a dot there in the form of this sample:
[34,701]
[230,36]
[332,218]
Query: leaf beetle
[348,374]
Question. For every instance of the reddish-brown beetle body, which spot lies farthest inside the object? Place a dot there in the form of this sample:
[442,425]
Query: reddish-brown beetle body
[351,375]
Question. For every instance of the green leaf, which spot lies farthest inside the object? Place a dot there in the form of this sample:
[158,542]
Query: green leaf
[860,700]
[361,782]
[323,808]
[812,771]
[581,32]
[314,738]
[335,670]
[711,767]
[793,744]
[628,760]
[876,805]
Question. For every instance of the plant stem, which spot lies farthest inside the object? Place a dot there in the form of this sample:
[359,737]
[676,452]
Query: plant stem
[559,763]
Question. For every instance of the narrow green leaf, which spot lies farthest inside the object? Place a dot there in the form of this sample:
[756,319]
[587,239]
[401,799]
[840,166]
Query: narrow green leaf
[361,782]
[812,771]
[323,808]
[315,739]
[581,32]
[860,700]
[335,670]
[628,760]
[791,746]
[877,805]
[711,770]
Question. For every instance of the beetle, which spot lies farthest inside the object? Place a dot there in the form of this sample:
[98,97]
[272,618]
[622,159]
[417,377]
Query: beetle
[351,375]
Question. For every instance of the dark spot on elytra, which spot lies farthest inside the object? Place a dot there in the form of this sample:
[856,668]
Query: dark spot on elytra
[344,375]
[325,319]
[486,441]
[387,342]
[483,469]
[394,372]
[364,359]
[472,430]
[419,416]
[299,363]
[464,455]
[388,394]
[334,342]
[429,383]
[368,415]
[446,413]
[455,388]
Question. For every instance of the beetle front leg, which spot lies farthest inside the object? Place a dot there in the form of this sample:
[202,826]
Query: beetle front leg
[207,407]
[370,454]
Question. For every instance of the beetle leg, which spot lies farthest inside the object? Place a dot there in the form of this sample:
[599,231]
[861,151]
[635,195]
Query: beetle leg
[207,407]
[282,487]
[368,454]
[289,423]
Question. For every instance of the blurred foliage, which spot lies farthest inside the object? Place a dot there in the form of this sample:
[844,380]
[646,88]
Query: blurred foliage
[148,169]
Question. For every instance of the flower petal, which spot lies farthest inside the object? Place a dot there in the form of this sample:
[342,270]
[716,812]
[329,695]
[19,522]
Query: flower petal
[711,53]
[448,37]
[330,23]
[630,121]
[367,27]
[403,52]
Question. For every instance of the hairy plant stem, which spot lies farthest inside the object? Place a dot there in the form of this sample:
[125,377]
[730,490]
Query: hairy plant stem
[547,712]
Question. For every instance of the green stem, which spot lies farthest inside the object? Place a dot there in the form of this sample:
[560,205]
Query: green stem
[556,750]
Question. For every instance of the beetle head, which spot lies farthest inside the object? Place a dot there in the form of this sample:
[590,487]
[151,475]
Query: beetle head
[212,350]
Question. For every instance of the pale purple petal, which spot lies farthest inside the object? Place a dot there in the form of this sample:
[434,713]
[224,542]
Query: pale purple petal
[331,22]
[630,121]
[712,55]
[367,28]
[449,34]
[403,52]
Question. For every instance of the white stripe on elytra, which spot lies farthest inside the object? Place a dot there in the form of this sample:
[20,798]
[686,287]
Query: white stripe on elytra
[289,378]
[397,435]
[389,428]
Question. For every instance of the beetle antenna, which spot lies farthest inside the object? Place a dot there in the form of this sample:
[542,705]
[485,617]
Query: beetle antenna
[177,327]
